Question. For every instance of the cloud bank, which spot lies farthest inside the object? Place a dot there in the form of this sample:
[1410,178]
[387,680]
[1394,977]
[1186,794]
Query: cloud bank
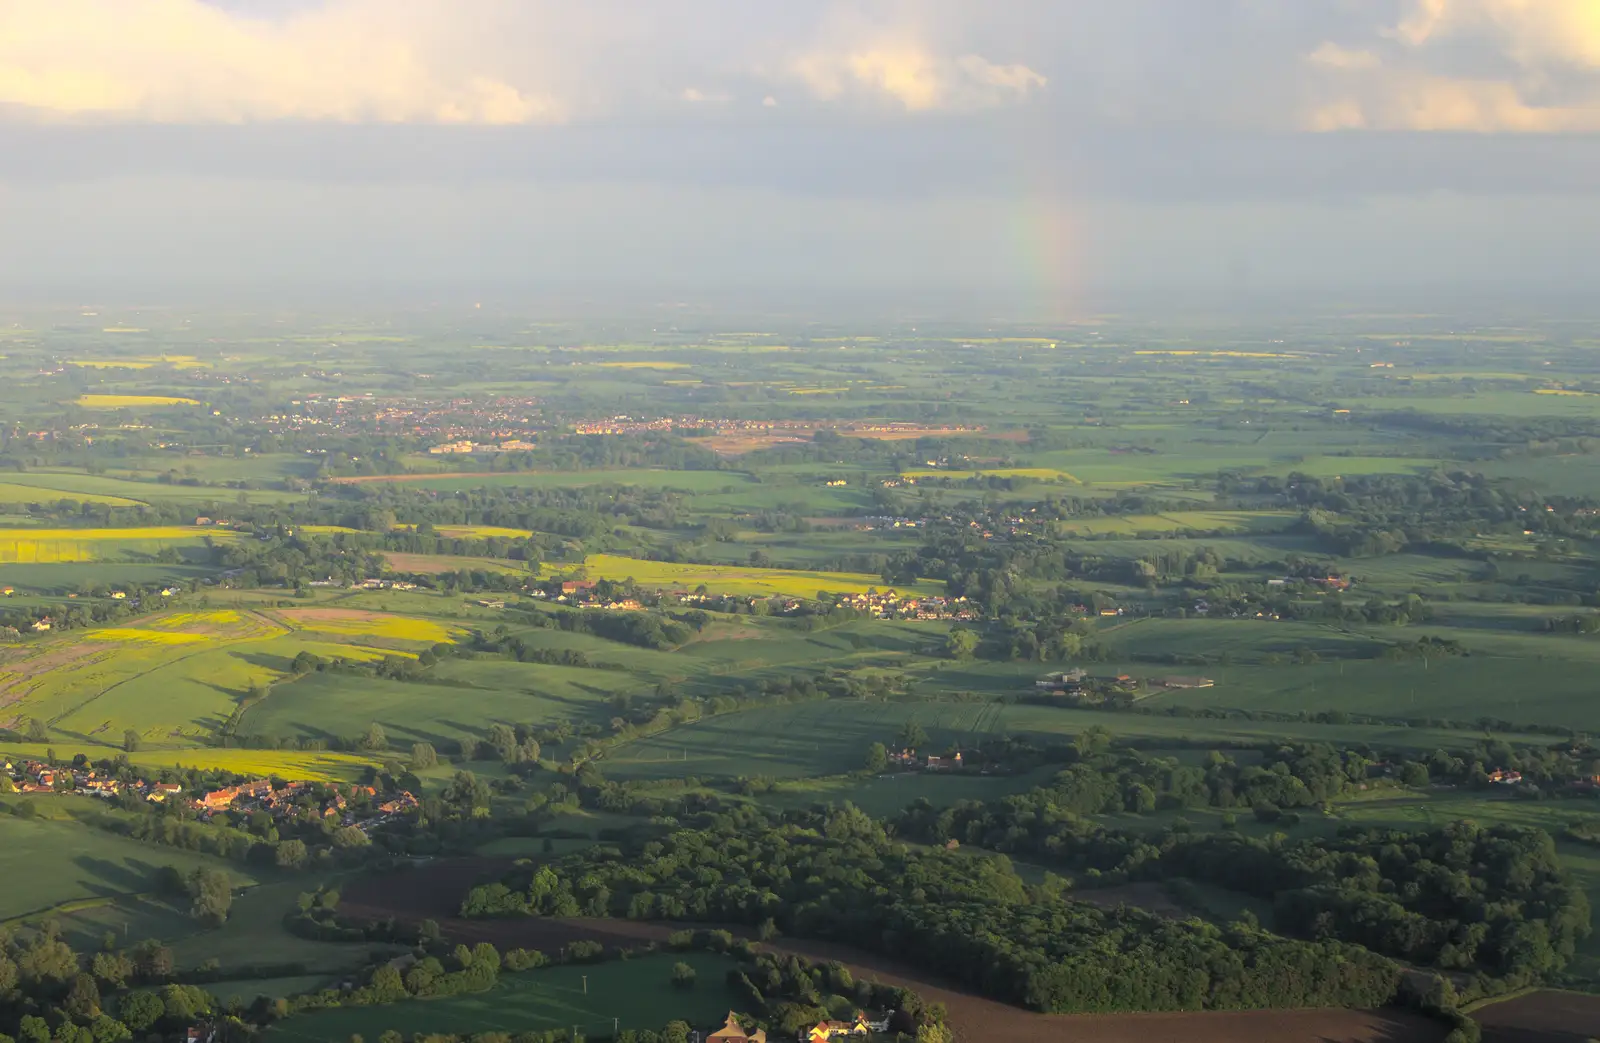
[1488,66]
[445,62]
[1484,66]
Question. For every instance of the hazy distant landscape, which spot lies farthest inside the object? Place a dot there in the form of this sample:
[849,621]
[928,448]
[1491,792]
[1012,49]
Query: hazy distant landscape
[1113,598]
[845,521]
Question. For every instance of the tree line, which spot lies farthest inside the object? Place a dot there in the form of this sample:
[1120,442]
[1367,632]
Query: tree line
[837,875]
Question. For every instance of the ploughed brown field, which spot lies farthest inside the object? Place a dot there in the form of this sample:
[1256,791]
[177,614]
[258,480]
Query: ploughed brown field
[433,892]
[1541,1017]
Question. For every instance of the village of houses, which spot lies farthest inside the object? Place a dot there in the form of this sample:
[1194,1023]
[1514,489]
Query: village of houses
[884,604]
[33,777]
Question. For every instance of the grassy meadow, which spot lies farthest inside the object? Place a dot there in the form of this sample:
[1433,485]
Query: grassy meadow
[637,993]
[53,864]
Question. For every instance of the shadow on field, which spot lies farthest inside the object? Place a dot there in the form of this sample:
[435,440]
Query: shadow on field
[465,729]
[110,878]
[276,663]
[444,745]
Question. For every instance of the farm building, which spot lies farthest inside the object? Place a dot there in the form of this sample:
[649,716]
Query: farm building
[858,1027]
[732,1032]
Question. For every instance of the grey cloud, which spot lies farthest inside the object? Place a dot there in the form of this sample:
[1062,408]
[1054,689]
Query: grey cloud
[867,159]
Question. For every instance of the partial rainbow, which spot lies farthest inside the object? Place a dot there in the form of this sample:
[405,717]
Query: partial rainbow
[1046,231]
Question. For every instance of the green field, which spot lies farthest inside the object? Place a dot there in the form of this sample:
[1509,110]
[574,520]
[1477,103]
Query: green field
[48,864]
[686,481]
[77,484]
[1179,521]
[463,701]
[255,936]
[831,737]
[11,492]
[637,993]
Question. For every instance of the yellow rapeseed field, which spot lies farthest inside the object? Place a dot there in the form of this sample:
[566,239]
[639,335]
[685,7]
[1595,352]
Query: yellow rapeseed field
[643,364]
[309,765]
[44,546]
[733,579]
[482,531]
[1043,474]
[399,628]
[358,653]
[154,637]
[129,401]
[142,361]
[214,617]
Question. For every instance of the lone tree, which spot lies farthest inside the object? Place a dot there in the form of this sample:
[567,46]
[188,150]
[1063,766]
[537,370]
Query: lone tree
[683,975]
[211,893]
[37,732]
[375,739]
[130,741]
[877,757]
[912,735]
[423,755]
[960,643]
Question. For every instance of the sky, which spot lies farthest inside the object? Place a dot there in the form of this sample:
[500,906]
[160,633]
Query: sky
[1021,154]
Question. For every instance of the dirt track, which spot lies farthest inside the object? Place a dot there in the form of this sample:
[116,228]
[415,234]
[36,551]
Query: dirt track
[433,893]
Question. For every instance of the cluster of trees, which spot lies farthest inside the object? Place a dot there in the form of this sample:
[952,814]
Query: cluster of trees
[1459,897]
[781,992]
[644,629]
[1478,724]
[1369,515]
[514,647]
[50,993]
[1588,623]
[837,875]
[792,994]
[142,598]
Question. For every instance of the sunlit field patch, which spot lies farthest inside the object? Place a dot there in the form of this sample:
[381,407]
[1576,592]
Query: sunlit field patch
[132,401]
[310,765]
[482,532]
[214,617]
[643,364]
[142,361]
[43,546]
[136,634]
[367,624]
[732,579]
[13,493]
[1041,474]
